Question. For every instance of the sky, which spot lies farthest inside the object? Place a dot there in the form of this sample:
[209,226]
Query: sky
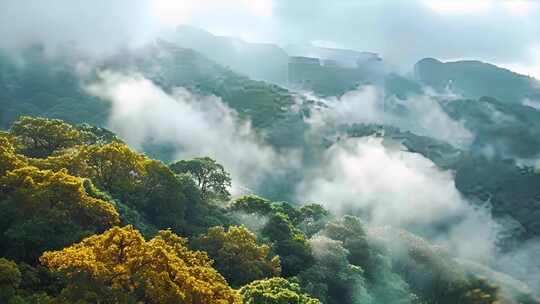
[504,32]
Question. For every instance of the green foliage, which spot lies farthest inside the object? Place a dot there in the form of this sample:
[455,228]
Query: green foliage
[288,241]
[430,272]
[313,218]
[211,177]
[350,232]
[474,79]
[252,204]
[275,291]
[237,255]
[40,137]
[135,180]
[10,279]
[332,279]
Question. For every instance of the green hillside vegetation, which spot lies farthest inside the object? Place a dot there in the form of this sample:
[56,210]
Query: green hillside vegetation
[475,79]
[92,221]
[510,188]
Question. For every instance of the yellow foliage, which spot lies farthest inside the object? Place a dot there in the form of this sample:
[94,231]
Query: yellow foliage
[58,194]
[162,270]
[9,159]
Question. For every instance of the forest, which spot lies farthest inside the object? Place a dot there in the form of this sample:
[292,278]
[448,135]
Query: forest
[269,152]
[86,219]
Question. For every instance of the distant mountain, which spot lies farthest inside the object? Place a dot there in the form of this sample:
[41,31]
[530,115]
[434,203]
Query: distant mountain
[511,190]
[474,79]
[170,65]
[260,61]
[501,129]
[50,86]
[340,57]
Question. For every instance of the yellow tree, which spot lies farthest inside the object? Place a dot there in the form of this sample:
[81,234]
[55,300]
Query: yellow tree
[114,167]
[9,159]
[138,182]
[119,266]
[42,209]
[238,256]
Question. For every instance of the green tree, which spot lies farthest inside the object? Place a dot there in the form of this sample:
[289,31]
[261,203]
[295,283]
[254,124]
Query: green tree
[211,177]
[237,255]
[252,204]
[350,231]
[313,218]
[332,279]
[289,243]
[275,291]
[10,279]
[138,182]
[40,137]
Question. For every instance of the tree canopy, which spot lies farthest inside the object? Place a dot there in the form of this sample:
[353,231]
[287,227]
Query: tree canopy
[275,291]
[42,209]
[119,266]
[237,255]
[40,137]
[211,177]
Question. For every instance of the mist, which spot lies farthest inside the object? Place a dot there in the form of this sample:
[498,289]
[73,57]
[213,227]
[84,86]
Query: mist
[388,186]
[420,114]
[95,27]
[478,31]
[193,125]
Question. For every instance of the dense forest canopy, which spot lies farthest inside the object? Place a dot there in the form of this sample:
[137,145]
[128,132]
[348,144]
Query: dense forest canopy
[269,152]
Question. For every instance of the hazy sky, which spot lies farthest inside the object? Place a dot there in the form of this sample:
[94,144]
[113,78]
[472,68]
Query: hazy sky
[505,32]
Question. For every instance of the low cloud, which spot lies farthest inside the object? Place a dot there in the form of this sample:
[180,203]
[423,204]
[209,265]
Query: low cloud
[92,26]
[193,125]
[388,186]
[420,114]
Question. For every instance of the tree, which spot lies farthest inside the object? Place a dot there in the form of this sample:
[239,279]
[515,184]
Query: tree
[9,159]
[332,279]
[252,204]
[237,255]
[40,137]
[42,210]
[10,279]
[275,291]
[96,135]
[289,243]
[136,181]
[313,218]
[350,231]
[211,177]
[119,266]
[114,167]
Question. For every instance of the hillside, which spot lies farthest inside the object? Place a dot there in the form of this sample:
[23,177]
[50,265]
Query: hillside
[475,79]
[81,213]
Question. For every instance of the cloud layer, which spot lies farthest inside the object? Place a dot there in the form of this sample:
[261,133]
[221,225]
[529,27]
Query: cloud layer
[193,125]
[388,186]
[420,114]
[402,31]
